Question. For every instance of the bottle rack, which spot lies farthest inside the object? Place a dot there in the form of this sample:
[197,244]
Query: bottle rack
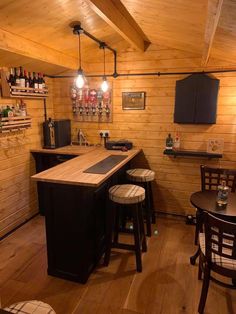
[16,92]
[13,124]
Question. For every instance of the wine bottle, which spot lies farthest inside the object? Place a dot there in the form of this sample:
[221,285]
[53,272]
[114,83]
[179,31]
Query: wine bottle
[40,83]
[31,83]
[22,80]
[35,83]
[26,80]
[17,79]
[43,83]
[11,80]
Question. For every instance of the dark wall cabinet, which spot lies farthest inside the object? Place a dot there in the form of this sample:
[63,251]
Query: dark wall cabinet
[196,99]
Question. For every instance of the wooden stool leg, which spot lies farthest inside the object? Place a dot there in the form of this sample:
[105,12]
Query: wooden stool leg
[117,224]
[142,229]
[137,238]
[148,210]
[109,229]
[152,203]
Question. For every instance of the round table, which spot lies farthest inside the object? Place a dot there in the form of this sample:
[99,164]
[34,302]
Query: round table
[206,201]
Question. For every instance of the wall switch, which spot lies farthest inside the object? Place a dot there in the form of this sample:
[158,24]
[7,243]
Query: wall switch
[104,133]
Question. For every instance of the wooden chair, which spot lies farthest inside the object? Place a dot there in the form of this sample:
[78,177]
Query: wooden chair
[217,254]
[210,179]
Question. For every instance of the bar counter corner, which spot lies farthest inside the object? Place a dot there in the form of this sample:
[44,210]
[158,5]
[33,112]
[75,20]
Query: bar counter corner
[75,205]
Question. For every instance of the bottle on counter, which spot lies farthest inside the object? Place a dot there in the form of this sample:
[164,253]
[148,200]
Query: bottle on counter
[177,141]
[222,194]
[169,142]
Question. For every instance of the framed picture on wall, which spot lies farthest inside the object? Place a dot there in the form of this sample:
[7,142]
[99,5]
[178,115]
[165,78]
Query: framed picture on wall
[215,146]
[133,100]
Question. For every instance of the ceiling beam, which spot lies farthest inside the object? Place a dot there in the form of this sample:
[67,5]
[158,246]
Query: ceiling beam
[213,16]
[117,16]
[25,47]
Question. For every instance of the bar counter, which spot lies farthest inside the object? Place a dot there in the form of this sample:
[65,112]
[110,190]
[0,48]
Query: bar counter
[75,205]
[72,172]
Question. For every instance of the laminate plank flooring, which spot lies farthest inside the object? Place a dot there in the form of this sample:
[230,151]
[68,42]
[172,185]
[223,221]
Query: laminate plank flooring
[168,283]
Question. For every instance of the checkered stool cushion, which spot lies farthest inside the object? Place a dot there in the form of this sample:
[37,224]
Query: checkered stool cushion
[29,307]
[140,175]
[219,260]
[126,194]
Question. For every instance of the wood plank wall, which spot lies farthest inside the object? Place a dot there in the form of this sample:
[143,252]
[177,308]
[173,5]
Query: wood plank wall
[18,197]
[176,178]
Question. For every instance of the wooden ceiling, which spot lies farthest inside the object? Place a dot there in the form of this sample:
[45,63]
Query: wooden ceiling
[37,33]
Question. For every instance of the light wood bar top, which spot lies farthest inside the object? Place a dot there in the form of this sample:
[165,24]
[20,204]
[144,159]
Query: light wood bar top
[71,171]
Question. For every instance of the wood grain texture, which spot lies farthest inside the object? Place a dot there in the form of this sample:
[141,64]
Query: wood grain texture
[117,16]
[18,195]
[163,286]
[72,172]
[176,178]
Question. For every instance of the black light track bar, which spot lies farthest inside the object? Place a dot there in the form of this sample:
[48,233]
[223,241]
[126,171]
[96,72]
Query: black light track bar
[77,30]
[115,75]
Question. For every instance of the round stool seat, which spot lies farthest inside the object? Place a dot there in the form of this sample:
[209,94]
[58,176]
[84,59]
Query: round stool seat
[28,307]
[140,175]
[126,194]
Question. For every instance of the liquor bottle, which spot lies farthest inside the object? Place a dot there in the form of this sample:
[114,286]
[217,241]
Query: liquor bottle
[222,195]
[35,82]
[22,80]
[169,142]
[11,79]
[26,80]
[31,83]
[40,83]
[17,79]
[43,84]
[177,141]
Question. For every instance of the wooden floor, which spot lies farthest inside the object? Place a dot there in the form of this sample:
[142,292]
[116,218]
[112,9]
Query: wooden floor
[168,283]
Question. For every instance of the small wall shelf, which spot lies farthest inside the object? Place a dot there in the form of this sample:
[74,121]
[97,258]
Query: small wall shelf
[190,153]
[16,92]
[14,124]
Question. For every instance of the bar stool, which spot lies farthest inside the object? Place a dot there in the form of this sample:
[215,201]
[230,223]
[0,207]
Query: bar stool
[121,196]
[144,177]
[29,307]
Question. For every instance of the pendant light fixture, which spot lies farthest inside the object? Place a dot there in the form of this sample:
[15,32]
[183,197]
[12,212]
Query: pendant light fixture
[80,80]
[104,85]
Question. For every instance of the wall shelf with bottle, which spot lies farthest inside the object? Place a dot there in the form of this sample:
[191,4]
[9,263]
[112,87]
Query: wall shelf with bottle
[12,124]
[190,153]
[16,85]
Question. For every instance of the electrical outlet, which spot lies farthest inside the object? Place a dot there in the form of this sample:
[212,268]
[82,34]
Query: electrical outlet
[104,133]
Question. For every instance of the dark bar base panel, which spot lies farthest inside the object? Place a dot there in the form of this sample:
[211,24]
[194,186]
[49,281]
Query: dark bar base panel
[75,227]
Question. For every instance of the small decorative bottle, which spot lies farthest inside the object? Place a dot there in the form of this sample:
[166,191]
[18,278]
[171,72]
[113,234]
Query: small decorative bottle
[177,141]
[169,142]
[222,195]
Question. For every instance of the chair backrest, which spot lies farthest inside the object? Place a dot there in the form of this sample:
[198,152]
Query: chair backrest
[220,239]
[212,177]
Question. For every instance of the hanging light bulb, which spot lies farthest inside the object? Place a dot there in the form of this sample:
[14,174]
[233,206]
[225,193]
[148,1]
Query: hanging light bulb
[80,80]
[104,85]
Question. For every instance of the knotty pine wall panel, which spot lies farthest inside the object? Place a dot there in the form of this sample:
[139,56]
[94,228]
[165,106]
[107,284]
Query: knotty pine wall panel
[176,178]
[18,197]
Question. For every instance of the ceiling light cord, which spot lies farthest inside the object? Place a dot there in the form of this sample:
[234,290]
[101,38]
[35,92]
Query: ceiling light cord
[79,50]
